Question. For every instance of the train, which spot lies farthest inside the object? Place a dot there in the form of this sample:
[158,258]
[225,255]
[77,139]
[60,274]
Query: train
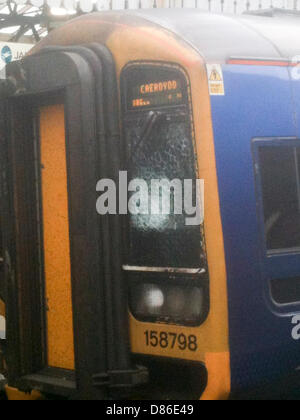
[105,303]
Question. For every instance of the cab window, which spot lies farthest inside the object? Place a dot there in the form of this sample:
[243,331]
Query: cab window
[158,134]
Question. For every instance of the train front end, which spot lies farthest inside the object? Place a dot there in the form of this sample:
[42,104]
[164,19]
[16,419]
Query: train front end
[110,292]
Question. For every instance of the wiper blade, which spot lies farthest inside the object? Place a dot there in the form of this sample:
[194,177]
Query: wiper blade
[152,119]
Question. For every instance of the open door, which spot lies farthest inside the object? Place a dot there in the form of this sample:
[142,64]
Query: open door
[66,304]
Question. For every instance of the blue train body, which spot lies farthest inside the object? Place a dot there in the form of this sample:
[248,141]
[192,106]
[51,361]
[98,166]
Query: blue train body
[261,104]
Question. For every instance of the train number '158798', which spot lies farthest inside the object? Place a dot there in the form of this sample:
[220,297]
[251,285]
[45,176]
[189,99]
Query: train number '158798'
[169,340]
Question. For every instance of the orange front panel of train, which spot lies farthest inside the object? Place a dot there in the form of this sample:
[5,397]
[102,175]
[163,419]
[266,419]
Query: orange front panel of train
[60,340]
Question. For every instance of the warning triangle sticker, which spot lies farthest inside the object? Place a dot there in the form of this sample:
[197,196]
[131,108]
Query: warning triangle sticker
[215,79]
[215,76]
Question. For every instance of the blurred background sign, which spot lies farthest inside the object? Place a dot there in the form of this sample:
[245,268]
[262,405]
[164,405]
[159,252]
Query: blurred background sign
[11,51]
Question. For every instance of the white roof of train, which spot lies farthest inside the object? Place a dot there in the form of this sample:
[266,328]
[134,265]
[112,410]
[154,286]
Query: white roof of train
[218,37]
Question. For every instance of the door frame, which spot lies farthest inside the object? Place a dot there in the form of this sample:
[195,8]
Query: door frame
[271,261]
[45,79]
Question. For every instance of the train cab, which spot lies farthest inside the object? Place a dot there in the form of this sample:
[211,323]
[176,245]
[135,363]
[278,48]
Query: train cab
[106,299]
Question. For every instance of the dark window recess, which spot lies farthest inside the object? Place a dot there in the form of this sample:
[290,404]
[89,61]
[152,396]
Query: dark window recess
[158,137]
[286,291]
[160,146]
[280,176]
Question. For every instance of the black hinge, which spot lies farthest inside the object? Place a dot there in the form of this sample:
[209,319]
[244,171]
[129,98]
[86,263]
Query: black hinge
[122,378]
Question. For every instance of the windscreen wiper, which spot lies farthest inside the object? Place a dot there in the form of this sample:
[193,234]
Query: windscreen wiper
[152,119]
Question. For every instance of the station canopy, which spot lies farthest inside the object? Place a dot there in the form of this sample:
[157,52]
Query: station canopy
[30,20]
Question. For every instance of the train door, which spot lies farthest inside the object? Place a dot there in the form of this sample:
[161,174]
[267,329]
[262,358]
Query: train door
[66,315]
[277,168]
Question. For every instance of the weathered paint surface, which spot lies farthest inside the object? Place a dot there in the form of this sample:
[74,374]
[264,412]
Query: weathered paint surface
[56,238]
